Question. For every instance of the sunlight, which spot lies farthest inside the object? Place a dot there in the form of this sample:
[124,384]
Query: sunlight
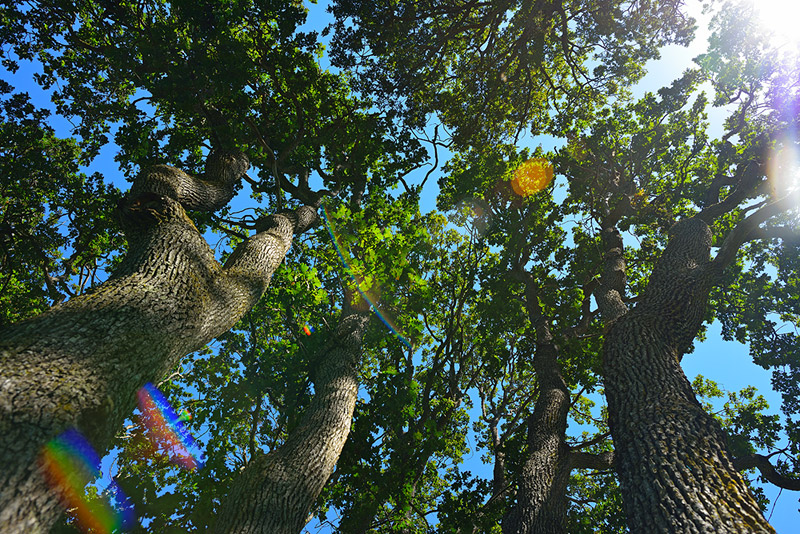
[783,168]
[780,17]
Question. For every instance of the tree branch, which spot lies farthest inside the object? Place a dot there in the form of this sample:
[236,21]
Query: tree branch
[586,460]
[785,233]
[743,231]
[209,192]
[767,471]
[751,174]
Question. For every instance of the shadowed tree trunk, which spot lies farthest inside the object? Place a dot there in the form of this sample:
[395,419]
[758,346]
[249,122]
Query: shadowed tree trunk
[541,500]
[276,492]
[80,364]
[675,471]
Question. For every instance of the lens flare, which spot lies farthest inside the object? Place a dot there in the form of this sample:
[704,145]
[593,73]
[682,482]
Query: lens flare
[166,430]
[474,212]
[308,329]
[783,168]
[70,463]
[343,258]
[532,176]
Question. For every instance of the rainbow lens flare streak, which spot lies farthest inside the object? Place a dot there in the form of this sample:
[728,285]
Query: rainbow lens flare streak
[167,428]
[70,463]
[349,269]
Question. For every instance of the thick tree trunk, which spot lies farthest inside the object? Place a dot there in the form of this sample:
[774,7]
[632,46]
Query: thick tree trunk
[80,364]
[675,471]
[276,492]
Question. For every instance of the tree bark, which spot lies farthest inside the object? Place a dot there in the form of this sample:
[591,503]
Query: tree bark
[541,501]
[276,492]
[674,468]
[80,364]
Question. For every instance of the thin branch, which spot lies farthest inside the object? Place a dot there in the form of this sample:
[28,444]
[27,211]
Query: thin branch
[597,439]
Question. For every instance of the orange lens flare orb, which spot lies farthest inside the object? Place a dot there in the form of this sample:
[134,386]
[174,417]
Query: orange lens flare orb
[532,176]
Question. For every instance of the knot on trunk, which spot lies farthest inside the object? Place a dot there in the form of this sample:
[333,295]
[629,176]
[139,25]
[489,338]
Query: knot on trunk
[226,167]
[300,219]
[146,210]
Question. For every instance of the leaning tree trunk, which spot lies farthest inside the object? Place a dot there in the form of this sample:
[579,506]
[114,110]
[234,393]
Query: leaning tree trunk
[276,491]
[674,468]
[80,364]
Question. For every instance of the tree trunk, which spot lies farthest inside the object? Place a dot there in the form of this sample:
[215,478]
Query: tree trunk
[541,504]
[80,364]
[499,481]
[675,471]
[276,492]
[541,501]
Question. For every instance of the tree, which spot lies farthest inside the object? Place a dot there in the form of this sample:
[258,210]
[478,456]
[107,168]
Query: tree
[296,472]
[618,196]
[499,346]
[276,491]
[674,431]
[161,309]
[560,330]
[170,296]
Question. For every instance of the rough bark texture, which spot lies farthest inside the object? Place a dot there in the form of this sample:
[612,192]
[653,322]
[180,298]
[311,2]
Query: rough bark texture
[541,502]
[609,294]
[675,471]
[276,492]
[80,364]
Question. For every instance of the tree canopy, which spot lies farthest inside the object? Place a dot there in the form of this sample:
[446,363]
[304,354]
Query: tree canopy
[508,361]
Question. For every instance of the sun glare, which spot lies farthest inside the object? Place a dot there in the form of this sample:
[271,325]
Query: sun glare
[780,17]
[783,169]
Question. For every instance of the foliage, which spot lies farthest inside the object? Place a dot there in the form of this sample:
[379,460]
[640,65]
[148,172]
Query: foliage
[492,70]
[455,380]
[55,221]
